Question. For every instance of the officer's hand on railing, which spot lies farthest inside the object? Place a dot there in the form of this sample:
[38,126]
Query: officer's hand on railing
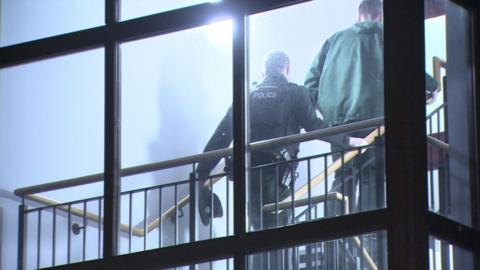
[357,142]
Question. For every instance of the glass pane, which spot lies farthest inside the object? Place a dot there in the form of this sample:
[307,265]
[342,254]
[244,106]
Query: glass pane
[25,20]
[138,8]
[362,252]
[213,265]
[450,124]
[444,256]
[315,179]
[52,122]
[176,89]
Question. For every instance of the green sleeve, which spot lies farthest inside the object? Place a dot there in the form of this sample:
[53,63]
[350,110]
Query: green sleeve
[305,114]
[315,72]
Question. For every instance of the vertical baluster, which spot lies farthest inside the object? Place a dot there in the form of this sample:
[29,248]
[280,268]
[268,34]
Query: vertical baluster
[438,121]
[54,229]
[193,202]
[308,257]
[211,207]
[39,235]
[267,253]
[280,255]
[99,227]
[84,229]
[159,217]
[228,209]
[294,257]
[292,189]
[130,222]
[261,196]
[309,215]
[325,182]
[324,255]
[69,236]
[21,234]
[434,249]
[145,196]
[361,253]
[430,171]
[176,215]
[263,258]
[360,188]
[276,181]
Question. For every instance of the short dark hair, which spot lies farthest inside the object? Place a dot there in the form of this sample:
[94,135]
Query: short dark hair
[374,8]
[275,61]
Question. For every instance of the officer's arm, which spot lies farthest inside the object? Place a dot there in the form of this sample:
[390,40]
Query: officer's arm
[221,138]
[306,116]
[315,71]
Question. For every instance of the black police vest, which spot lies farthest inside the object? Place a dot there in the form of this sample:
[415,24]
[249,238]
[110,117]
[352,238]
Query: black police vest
[269,112]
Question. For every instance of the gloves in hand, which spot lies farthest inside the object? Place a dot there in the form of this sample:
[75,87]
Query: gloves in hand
[206,204]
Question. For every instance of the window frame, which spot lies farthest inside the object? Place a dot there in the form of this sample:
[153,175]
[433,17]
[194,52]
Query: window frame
[406,218]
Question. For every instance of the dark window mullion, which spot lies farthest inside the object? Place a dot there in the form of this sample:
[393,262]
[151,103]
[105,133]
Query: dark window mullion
[112,138]
[239,133]
[405,134]
[112,12]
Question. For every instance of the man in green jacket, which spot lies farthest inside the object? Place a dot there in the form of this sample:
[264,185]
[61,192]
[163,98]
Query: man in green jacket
[346,80]
[346,76]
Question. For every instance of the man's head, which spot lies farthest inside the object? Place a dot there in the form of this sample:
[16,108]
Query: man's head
[370,10]
[276,62]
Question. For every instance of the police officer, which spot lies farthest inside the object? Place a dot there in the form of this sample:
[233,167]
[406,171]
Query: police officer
[278,108]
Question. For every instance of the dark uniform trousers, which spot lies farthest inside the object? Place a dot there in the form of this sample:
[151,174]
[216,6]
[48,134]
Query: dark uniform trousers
[265,187]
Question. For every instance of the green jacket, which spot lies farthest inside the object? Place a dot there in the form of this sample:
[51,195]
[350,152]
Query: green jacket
[346,77]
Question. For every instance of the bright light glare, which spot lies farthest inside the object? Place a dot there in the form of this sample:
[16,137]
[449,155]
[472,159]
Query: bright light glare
[215,1]
[220,32]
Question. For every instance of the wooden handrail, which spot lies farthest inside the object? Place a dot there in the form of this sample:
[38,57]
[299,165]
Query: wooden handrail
[80,213]
[335,165]
[136,231]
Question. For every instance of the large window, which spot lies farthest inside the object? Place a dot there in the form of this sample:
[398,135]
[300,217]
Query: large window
[340,81]
[52,122]
[450,121]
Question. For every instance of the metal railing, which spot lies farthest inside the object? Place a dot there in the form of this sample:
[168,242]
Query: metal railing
[256,146]
[437,161]
[83,218]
